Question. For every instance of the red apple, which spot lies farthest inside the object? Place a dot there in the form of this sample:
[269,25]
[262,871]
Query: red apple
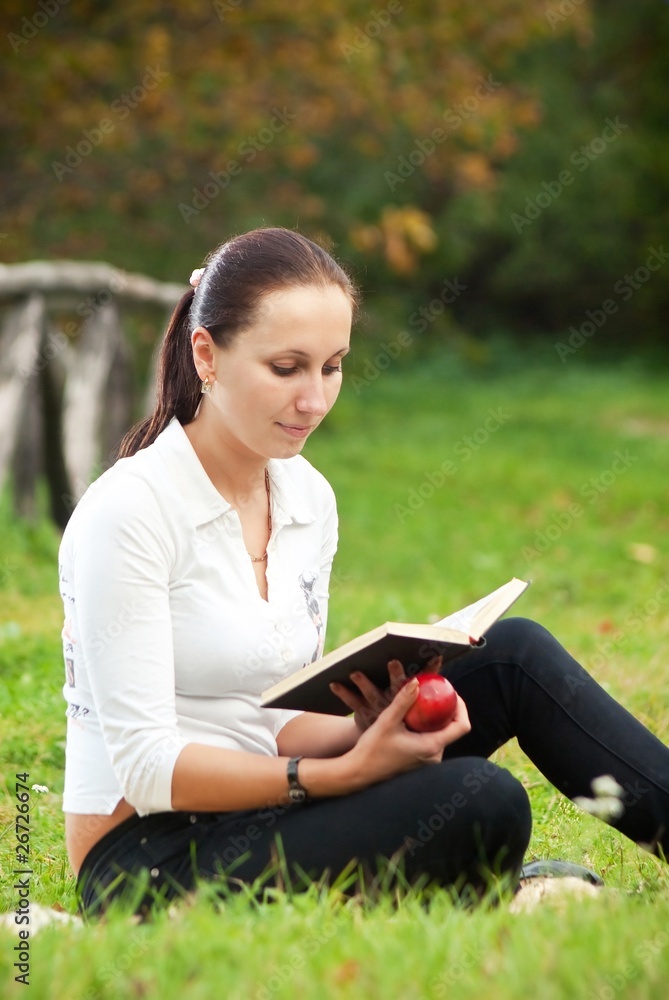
[434,706]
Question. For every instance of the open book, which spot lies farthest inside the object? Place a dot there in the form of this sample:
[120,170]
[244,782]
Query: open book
[414,645]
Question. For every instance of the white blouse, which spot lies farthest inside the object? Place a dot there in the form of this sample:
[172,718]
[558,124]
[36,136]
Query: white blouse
[167,640]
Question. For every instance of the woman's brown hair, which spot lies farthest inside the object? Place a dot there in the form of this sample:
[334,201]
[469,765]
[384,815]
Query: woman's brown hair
[236,277]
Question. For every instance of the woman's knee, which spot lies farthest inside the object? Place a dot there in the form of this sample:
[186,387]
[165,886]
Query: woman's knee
[490,807]
[540,656]
[514,636]
[490,795]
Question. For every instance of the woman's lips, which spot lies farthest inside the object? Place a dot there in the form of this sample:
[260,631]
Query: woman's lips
[295,430]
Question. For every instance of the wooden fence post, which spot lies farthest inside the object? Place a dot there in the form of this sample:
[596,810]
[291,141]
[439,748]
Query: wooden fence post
[20,361]
[89,370]
[66,395]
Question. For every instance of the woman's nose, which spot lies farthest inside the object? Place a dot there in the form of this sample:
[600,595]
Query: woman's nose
[312,398]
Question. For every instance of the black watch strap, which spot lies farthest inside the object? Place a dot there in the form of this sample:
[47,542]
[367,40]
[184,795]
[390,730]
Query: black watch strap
[296,791]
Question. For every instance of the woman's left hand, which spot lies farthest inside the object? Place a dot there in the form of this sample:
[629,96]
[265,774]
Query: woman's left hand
[371,701]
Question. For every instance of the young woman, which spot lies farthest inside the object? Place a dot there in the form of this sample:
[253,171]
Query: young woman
[194,574]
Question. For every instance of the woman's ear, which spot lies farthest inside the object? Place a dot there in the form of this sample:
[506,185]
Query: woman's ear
[203,351]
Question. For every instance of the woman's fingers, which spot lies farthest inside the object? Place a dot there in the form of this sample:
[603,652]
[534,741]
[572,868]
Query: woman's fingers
[397,675]
[459,725]
[434,665]
[352,700]
[373,696]
[401,703]
[395,702]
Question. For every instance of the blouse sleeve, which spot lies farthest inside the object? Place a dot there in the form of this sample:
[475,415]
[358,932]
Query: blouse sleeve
[121,559]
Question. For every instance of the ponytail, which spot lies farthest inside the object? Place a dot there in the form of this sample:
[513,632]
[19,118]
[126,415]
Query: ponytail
[177,382]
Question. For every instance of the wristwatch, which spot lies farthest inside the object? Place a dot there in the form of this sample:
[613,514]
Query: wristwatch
[296,791]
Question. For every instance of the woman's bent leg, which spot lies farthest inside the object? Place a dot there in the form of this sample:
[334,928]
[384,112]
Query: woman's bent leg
[449,824]
[523,683]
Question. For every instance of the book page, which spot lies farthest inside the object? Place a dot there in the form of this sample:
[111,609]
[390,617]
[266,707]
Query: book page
[464,619]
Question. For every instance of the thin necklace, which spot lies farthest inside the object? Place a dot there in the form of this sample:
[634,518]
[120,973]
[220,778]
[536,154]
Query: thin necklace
[262,558]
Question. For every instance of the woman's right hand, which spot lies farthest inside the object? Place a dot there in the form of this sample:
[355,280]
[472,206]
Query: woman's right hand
[388,748]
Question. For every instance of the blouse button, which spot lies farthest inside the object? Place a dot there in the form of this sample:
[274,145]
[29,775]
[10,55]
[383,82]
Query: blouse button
[155,872]
[283,628]
[286,655]
[193,819]
[143,840]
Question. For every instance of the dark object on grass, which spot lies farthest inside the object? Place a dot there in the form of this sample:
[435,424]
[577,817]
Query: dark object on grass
[559,869]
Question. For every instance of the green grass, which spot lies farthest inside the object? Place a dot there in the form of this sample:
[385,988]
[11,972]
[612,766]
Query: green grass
[540,491]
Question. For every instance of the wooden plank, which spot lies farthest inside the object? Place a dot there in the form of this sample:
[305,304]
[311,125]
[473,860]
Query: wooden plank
[20,343]
[52,384]
[89,367]
[70,280]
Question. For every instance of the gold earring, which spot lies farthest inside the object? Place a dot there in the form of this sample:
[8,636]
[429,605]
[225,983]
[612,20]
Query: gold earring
[206,385]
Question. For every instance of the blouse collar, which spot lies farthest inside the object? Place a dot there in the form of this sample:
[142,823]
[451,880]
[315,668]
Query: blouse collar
[202,498]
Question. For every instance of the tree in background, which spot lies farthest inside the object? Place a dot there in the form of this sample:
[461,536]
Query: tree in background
[414,136]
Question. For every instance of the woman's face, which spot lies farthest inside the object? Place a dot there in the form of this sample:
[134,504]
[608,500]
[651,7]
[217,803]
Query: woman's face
[277,380]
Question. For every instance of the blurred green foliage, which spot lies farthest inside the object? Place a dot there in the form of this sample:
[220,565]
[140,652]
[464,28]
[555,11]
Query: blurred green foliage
[425,142]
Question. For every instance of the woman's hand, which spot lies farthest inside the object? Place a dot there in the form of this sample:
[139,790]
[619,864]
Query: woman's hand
[371,701]
[387,747]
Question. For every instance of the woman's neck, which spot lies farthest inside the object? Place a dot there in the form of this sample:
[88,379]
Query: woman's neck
[237,477]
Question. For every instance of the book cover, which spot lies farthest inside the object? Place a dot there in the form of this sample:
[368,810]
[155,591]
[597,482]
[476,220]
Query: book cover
[413,644]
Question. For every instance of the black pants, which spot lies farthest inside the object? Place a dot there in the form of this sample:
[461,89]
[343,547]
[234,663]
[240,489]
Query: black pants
[449,824]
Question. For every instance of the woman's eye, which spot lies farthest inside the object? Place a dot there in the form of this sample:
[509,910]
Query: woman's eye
[327,370]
